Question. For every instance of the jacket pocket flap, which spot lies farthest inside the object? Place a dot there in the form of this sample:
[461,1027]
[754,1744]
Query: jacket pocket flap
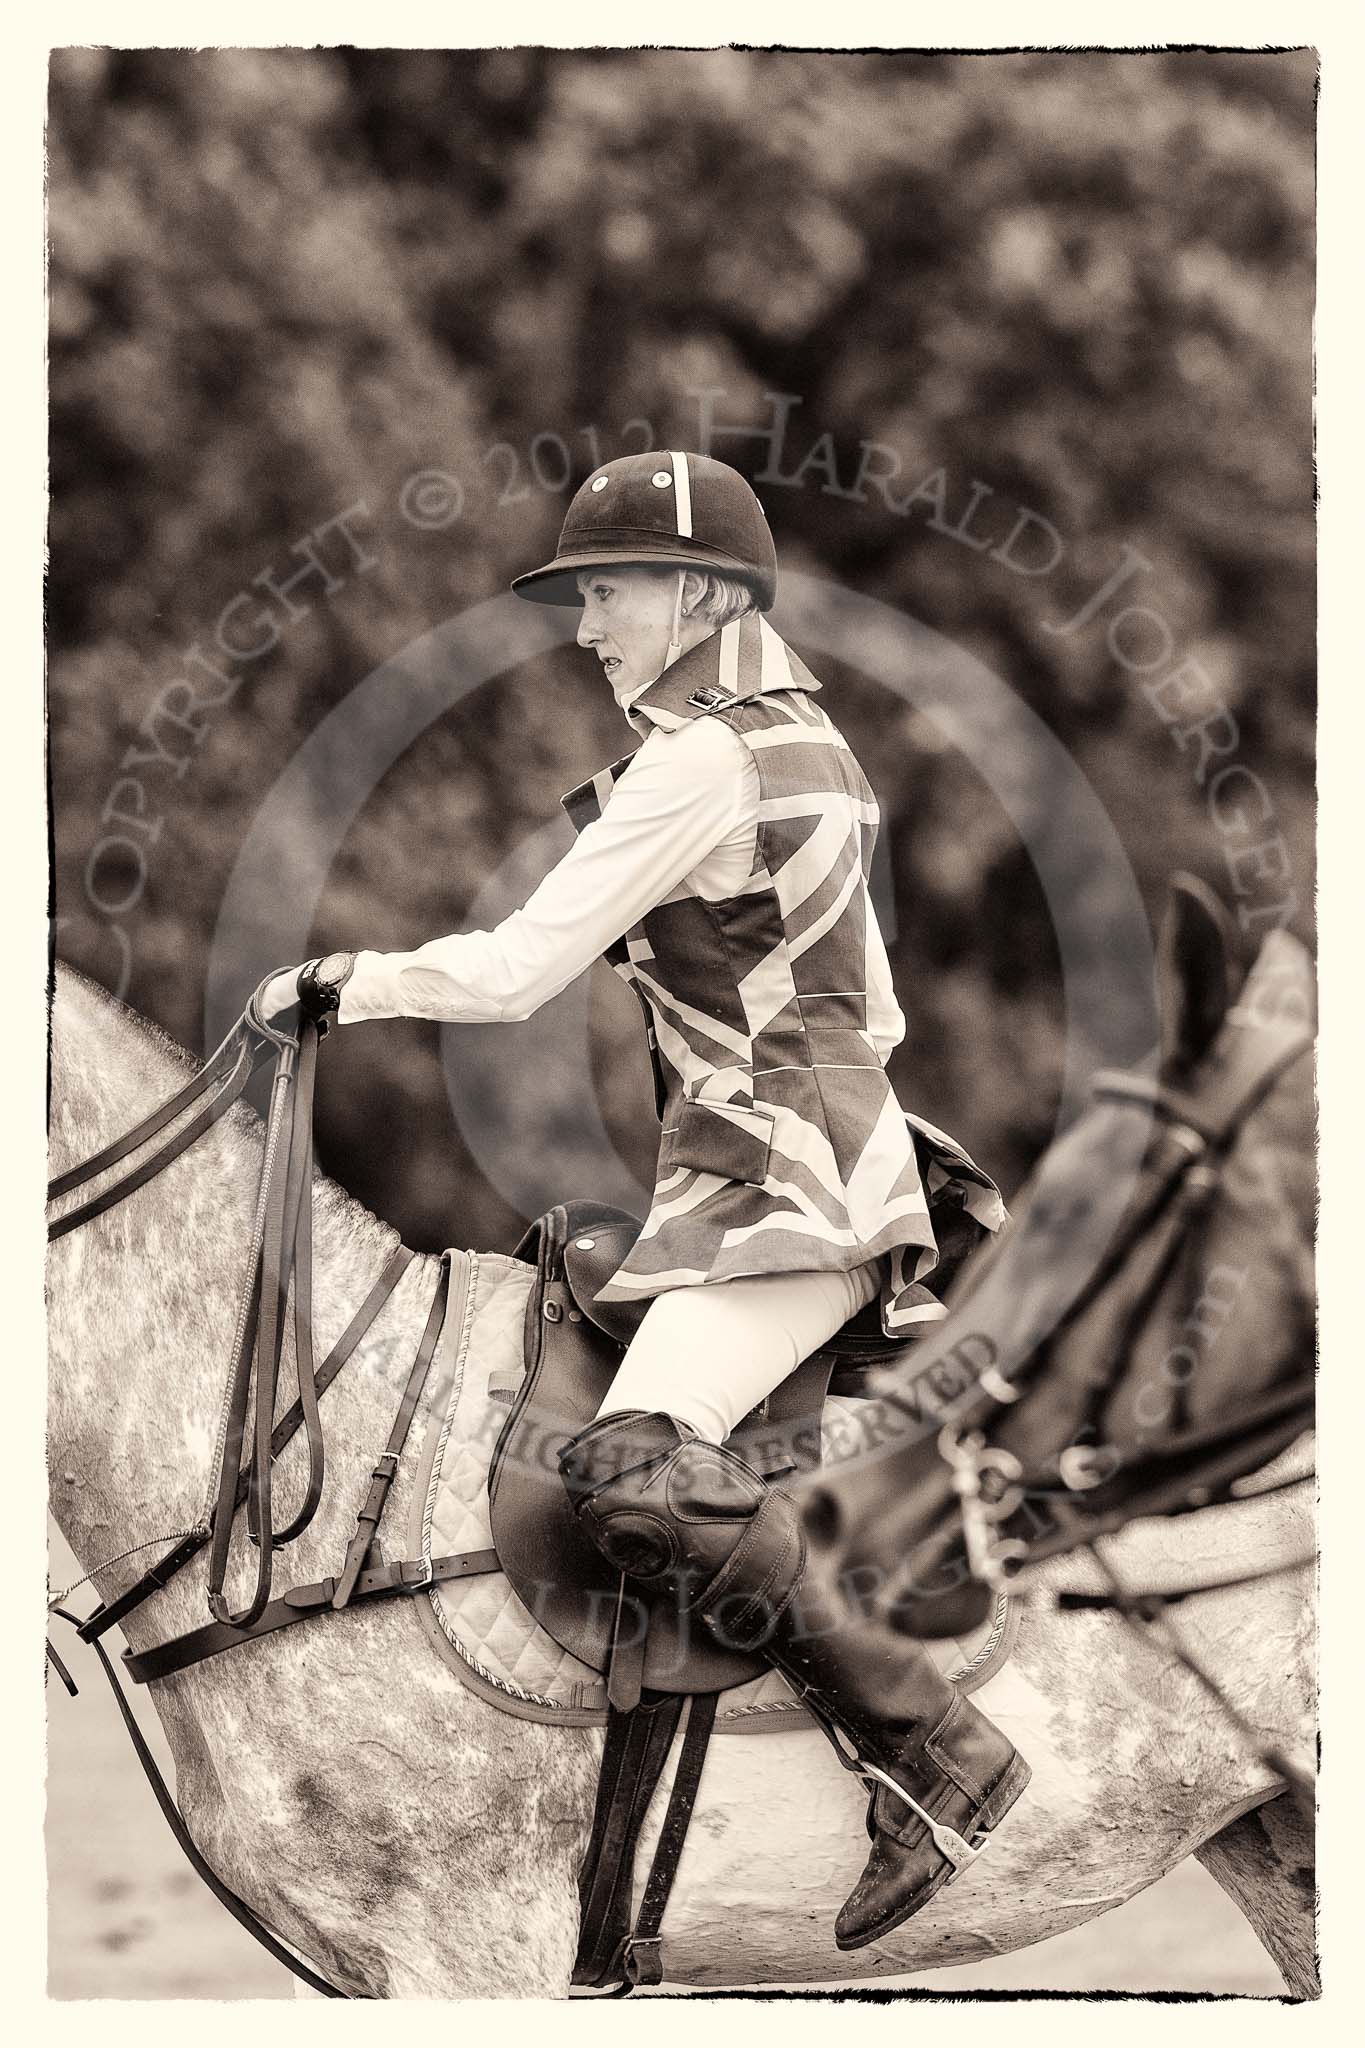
[728,1138]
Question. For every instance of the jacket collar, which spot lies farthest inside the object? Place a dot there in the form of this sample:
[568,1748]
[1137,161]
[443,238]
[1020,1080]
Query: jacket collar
[745,659]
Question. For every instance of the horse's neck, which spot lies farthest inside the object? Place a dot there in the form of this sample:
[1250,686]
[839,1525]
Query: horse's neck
[1268,1524]
[143,1300]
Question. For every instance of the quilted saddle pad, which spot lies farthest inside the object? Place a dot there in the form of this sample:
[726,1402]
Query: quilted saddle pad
[479,1625]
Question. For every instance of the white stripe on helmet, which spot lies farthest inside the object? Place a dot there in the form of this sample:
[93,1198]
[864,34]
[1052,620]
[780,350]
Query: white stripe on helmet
[682,491]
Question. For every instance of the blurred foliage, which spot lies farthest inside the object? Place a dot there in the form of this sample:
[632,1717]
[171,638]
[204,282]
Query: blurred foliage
[284,281]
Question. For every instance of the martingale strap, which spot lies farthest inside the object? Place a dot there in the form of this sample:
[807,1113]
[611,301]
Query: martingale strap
[381,1479]
[164,1570]
[379,1582]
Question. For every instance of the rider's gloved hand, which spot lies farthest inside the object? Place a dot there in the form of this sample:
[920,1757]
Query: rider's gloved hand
[322,982]
[280,994]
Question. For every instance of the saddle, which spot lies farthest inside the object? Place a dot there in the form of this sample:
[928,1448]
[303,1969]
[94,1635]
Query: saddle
[657,1664]
[573,1346]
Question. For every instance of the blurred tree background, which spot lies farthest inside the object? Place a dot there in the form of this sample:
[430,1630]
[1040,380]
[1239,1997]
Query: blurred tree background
[284,282]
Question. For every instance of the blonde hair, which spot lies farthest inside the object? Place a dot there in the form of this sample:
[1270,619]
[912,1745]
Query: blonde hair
[722,599]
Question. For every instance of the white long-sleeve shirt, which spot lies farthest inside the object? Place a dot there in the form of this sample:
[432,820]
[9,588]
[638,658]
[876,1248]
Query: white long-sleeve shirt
[681,819]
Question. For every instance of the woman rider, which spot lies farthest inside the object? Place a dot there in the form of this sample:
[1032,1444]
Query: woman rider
[722,868]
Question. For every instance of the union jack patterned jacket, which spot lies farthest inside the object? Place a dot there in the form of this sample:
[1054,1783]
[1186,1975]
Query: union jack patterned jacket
[783,1147]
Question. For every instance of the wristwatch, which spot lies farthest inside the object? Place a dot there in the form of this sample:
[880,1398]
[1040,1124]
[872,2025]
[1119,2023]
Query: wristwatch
[321,983]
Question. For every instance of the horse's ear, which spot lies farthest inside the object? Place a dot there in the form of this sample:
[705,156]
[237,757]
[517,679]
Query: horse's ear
[1196,963]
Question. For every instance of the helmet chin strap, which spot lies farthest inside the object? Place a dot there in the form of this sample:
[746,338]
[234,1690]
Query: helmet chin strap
[675,633]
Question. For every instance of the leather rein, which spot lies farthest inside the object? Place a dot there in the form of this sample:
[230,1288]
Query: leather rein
[280,1254]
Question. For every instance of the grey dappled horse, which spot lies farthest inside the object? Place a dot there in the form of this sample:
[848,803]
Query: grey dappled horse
[413,1841]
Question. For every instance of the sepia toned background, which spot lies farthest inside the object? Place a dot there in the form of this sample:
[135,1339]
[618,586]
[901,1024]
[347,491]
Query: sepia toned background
[379,313]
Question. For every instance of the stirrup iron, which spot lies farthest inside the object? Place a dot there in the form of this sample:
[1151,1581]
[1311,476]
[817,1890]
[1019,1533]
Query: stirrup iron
[951,1846]
[949,1843]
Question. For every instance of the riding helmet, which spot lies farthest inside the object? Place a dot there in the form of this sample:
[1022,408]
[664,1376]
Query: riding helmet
[664,508]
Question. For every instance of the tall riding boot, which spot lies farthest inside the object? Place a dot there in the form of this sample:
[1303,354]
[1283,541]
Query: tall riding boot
[690,1517]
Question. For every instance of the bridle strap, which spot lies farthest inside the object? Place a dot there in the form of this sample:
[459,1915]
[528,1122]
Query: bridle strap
[1228,1091]
[1182,1198]
[1167,1484]
[1194,1130]
[985,1405]
[1178,1474]
[1143,1606]
[1157,1469]
[1193,1135]
[1184,1470]
[1113,1085]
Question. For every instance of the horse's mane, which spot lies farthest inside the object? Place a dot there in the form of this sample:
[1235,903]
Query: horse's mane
[158,1039]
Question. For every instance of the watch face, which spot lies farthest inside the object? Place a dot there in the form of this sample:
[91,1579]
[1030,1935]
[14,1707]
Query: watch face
[333,966]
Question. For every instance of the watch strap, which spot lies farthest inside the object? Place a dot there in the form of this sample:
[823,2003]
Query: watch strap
[321,983]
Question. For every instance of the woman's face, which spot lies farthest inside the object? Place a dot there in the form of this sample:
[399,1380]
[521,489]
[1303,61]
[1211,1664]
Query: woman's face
[627,618]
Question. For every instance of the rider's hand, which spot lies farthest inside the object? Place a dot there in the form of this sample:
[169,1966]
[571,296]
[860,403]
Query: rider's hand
[281,993]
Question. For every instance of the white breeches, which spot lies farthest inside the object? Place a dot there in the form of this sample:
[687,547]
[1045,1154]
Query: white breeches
[710,1354]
